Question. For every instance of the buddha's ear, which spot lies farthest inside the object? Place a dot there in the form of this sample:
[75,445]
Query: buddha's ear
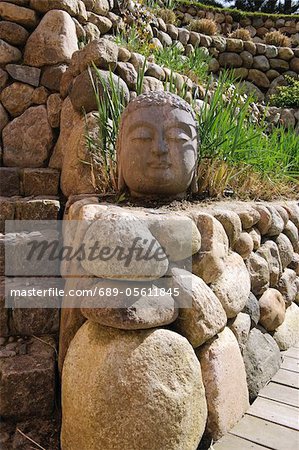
[194,184]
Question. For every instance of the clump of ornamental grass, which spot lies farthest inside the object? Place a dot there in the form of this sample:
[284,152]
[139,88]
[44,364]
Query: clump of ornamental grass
[204,26]
[168,15]
[241,33]
[277,38]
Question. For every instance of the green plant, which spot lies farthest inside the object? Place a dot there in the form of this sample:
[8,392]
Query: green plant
[204,26]
[233,144]
[241,33]
[287,96]
[195,65]
[135,39]
[277,38]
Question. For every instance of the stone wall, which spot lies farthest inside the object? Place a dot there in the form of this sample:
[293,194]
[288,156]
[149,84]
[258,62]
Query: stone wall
[244,310]
[227,22]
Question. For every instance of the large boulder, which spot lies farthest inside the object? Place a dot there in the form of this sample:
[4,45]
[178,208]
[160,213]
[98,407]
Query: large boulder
[27,140]
[224,379]
[262,360]
[127,251]
[203,315]
[233,295]
[144,390]
[83,96]
[53,41]
[287,334]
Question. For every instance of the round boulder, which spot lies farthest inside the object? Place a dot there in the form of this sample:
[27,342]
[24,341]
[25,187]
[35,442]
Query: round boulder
[272,309]
[144,390]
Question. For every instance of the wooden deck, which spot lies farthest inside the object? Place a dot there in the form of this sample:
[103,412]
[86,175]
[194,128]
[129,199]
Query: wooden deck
[272,421]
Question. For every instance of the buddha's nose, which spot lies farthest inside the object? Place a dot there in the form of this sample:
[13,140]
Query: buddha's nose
[160,147]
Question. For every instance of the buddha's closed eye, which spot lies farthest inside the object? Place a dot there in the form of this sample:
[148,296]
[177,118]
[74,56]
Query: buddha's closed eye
[177,135]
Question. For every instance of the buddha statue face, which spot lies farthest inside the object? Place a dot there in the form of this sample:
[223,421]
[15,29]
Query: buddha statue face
[157,146]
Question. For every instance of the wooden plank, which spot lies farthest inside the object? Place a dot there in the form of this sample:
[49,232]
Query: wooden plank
[290,364]
[281,393]
[287,378]
[275,412]
[231,442]
[266,433]
[293,352]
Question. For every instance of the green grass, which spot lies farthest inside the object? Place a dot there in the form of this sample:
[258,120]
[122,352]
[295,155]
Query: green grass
[195,65]
[228,135]
[287,96]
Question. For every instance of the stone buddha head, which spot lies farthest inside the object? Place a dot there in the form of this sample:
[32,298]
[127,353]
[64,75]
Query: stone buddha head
[157,146]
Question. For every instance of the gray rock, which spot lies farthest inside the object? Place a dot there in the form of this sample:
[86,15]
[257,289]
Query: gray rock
[102,52]
[287,334]
[127,72]
[164,38]
[252,308]
[259,273]
[26,74]
[285,250]
[261,63]
[287,286]
[262,360]
[82,94]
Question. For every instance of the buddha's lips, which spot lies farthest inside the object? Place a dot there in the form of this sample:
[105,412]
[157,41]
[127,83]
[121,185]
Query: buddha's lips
[162,165]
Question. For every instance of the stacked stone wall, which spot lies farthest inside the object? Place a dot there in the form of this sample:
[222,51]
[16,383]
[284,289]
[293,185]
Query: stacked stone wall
[257,25]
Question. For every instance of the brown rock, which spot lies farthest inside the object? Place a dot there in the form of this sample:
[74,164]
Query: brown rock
[4,119]
[279,64]
[272,309]
[285,53]
[230,60]
[285,249]
[127,72]
[208,263]
[269,251]
[22,16]
[102,52]
[27,140]
[76,175]
[9,182]
[3,78]
[53,41]
[8,53]
[247,59]
[82,94]
[54,105]
[66,83]
[277,223]
[225,384]
[244,245]
[51,76]
[40,95]
[74,8]
[28,382]
[265,220]
[287,286]
[258,269]
[7,212]
[203,316]
[232,297]
[231,224]
[68,120]
[259,78]
[287,334]
[16,98]
[26,74]
[256,237]
[13,33]
[291,231]
[102,23]
[40,182]
[37,209]
[234,45]
[98,6]
[152,84]
[153,364]
[294,65]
